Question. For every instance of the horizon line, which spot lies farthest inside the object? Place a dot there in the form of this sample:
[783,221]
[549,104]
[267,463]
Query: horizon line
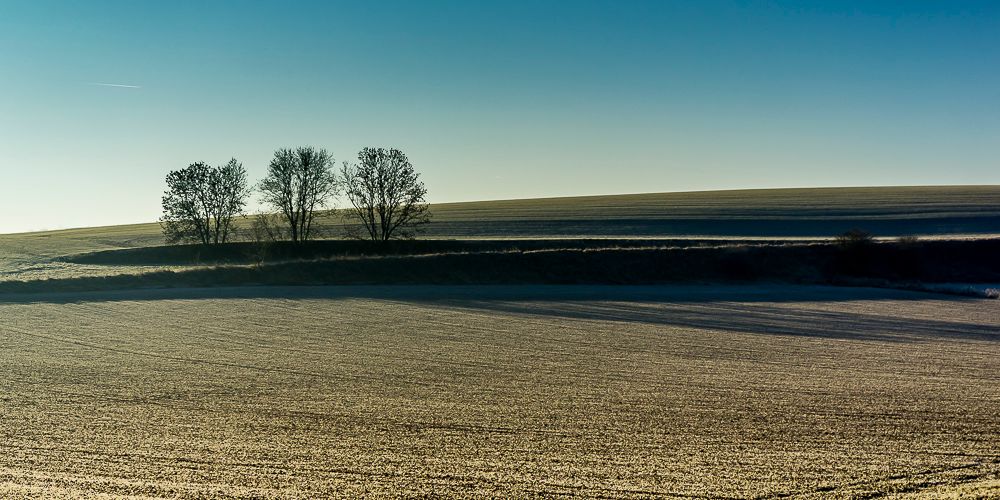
[695,191]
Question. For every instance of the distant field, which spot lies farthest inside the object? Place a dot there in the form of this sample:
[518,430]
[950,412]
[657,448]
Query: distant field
[822,212]
[500,391]
[777,213]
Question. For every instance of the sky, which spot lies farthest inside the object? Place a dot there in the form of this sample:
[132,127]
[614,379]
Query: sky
[99,100]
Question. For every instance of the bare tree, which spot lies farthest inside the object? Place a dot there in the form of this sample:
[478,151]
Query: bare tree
[299,183]
[386,194]
[228,192]
[201,201]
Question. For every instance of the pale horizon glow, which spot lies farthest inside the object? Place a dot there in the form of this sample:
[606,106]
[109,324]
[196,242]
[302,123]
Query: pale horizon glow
[493,100]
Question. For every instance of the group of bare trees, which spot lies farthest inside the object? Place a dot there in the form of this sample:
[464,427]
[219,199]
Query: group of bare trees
[385,195]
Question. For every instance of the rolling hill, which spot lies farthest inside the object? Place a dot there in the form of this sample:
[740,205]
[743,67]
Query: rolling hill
[939,211]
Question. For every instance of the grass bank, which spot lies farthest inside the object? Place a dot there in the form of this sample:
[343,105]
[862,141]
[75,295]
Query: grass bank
[887,263]
[282,251]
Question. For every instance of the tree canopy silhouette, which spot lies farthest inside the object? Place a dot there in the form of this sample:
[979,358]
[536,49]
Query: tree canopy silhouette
[386,194]
[299,183]
[201,201]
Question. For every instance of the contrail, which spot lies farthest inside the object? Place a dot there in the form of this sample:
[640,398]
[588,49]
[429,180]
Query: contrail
[115,85]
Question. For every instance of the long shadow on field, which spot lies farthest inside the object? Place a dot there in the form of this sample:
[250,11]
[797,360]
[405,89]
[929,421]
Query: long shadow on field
[746,309]
[774,293]
[754,318]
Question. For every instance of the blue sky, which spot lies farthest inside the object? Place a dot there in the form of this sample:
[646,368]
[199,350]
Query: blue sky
[493,99]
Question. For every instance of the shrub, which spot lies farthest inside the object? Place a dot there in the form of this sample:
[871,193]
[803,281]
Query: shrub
[854,238]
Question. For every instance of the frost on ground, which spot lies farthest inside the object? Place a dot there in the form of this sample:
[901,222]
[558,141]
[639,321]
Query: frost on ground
[512,391]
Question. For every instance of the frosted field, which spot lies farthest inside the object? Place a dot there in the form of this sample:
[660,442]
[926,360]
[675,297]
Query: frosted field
[515,391]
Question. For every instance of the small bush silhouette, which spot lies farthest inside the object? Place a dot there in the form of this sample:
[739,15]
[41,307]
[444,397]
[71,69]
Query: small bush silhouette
[855,238]
[855,256]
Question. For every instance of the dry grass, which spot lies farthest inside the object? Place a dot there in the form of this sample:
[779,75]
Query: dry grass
[502,391]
